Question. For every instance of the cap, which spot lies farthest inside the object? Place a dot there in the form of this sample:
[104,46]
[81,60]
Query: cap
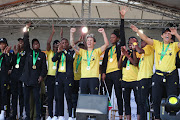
[3,40]
[164,30]
[20,39]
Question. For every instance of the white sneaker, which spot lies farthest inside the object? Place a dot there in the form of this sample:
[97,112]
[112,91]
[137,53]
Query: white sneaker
[70,118]
[2,115]
[54,118]
[74,118]
[61,118]
[49,118]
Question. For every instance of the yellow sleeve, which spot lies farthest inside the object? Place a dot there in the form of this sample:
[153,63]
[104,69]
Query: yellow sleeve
[81,51]
[176,46]
[155,43]
[98,50]
[48,52]
[148,50]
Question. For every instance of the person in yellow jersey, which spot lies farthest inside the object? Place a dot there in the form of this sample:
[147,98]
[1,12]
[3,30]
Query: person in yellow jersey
[146,62]
[165,57]
[89,82]
[64,78]
[128,62]
[112,75]
[50,79]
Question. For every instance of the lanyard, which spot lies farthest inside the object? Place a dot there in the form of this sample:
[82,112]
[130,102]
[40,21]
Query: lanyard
[164,52]
[54,63]
[128,62]
[78,62]
[111,52]
[89,58]
[1,60]
[18,58]
[62,59]
[35,57]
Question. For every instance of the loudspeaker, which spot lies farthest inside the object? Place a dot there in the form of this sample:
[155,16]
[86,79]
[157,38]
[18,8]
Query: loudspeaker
[93,107]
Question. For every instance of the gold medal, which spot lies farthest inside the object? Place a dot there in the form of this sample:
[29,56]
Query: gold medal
[88,68]
[164,80]
[111,60]
[17,66]
[54,67]
[159,62]
[128,68]
[34,67]
[62,67]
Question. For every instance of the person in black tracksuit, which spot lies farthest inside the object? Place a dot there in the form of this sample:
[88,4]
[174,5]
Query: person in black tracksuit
[34,71]
[111,73]
[18,62]
[64,78]
[4,67]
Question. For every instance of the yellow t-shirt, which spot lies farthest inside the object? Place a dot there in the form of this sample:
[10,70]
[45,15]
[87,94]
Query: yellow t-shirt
[146,63]
[131,74]
[51,71]
[77,73]
[62,65]
[168,62]
[94,63]
[112,66]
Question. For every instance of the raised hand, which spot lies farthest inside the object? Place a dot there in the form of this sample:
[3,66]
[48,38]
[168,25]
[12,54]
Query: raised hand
[101,30]
[134,28]
[8,49]
[61,32]
[73,30]
[53,30]
[28,24]
[123,11]
[173,30]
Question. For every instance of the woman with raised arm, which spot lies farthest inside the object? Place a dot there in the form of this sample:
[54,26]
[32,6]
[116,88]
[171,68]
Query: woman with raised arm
[165,75]
[90,62]
[111,74]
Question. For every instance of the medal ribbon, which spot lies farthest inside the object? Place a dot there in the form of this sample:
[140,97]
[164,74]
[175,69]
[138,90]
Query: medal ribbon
[54,63]
[164,52]
[62,59]
[89,58]
[128,62]
[35,57]
[78,62]
[18,58]
[1,59]
[111,52]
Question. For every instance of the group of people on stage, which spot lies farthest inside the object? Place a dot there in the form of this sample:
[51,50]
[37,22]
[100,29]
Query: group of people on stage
[73,65]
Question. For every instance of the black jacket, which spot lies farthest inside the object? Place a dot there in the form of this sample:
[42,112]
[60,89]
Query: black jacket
[29,75]
[69,61]
[5,65]
[16,73]
[118,47]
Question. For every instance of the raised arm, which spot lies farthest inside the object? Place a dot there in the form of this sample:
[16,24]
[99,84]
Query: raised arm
[137,48]
[50,39]
[106,42]
[76,48]
[122,32]
[61,33]
[142,35]
[26,39]
[174,32]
